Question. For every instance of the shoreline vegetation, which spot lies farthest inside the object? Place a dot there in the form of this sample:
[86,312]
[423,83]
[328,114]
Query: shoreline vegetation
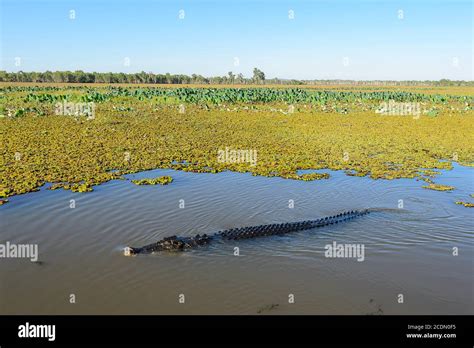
[292,128]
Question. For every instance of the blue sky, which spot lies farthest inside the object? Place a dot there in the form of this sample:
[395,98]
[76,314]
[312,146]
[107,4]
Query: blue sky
[361,40]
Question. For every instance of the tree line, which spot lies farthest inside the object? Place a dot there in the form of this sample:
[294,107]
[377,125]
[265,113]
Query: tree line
[143,77]
[258,77]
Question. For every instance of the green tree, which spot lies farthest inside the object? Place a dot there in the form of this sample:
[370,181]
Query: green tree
[258,76]
[231,77]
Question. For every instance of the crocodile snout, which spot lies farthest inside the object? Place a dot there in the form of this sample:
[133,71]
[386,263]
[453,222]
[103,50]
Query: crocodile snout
[127,251]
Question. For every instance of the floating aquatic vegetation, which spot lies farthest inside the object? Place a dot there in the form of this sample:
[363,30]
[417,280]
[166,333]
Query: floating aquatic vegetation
[466,164]
[353,173]
[162,180]
[430,173]
[306,177]
[5,192]
[428,180]
[56,186]
[314,176]
[438,187]
[137,129]
[466,204]
[81,187]
[76,187]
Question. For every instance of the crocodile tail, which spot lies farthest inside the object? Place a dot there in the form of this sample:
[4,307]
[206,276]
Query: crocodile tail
[342,217]
[278,229]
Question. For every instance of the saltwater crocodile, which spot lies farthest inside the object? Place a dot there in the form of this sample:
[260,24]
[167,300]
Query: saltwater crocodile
[175,243]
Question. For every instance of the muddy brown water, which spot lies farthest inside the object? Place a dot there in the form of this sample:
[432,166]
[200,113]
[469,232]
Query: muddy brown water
[408,251]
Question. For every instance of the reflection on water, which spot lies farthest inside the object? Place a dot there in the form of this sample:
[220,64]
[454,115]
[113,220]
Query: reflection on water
[407,251]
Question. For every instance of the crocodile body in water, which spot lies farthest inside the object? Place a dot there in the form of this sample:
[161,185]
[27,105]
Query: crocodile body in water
[175,243]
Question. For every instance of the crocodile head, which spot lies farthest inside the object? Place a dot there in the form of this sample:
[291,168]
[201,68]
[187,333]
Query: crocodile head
[129,251]
[172,243]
